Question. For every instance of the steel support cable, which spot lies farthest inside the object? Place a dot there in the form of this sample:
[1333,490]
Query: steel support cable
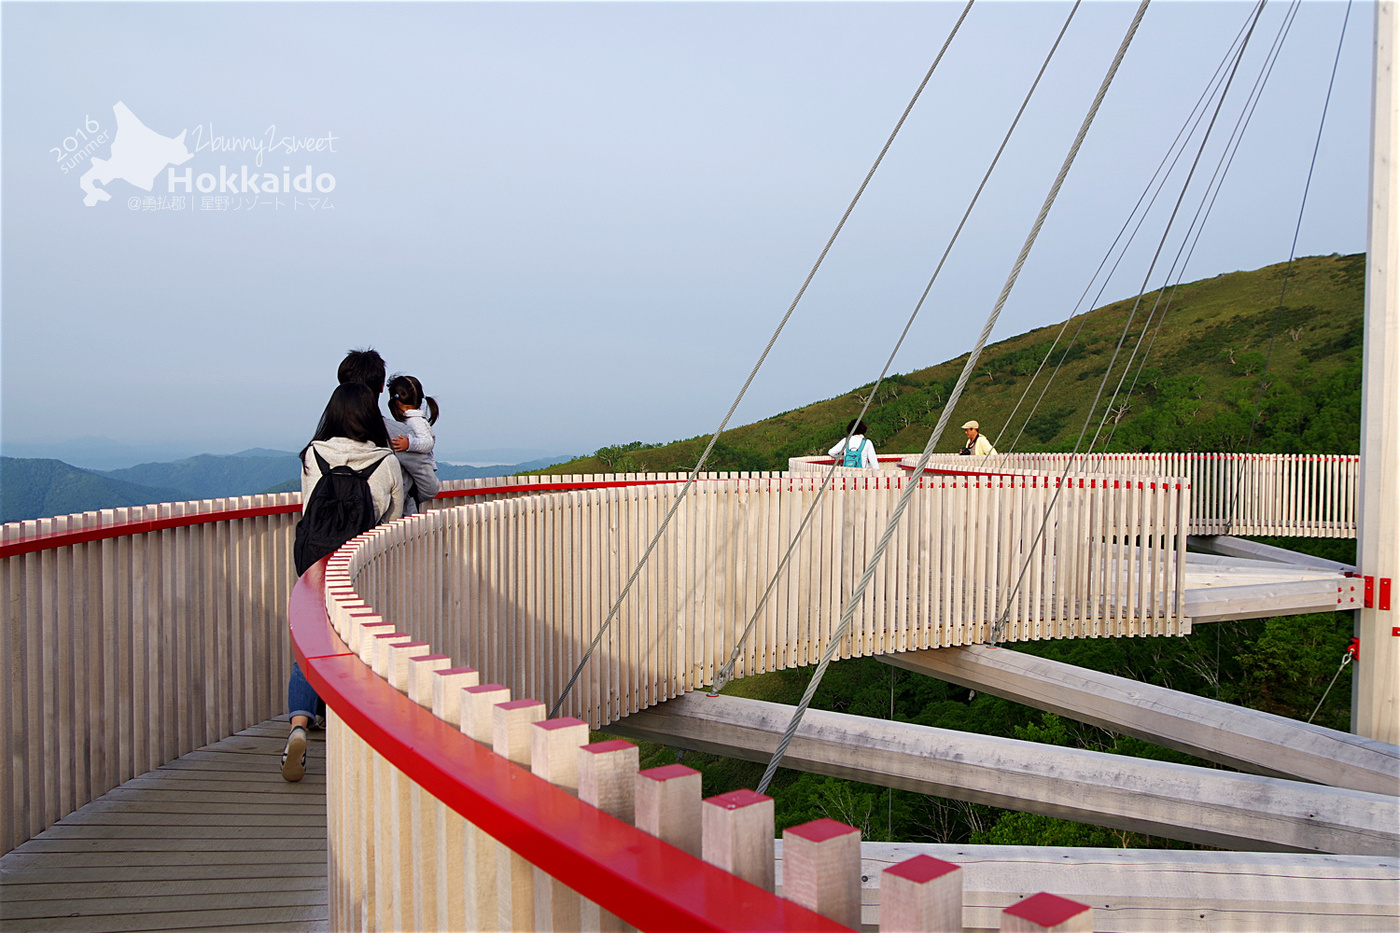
[1203,212]
[1157,255]
[704,456]
[1297,229]
[1127,327]
[1194,237]
[912,483]
[1188,128]
[726,673]
[1288,270]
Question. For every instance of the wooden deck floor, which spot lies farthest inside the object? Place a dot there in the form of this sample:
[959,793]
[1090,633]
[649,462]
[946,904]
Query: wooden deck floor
[213,840]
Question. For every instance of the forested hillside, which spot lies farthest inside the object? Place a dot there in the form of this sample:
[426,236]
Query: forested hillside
[37,488]
[1193,383]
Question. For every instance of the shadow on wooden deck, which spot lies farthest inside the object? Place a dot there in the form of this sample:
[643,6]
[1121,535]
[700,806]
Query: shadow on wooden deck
[213,840]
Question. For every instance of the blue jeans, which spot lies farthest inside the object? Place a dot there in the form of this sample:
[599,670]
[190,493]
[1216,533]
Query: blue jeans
[301,698]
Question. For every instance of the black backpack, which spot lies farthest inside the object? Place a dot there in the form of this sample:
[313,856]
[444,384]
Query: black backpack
[341,507]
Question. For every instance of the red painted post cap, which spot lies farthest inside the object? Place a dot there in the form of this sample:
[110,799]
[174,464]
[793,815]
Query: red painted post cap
[667,772]
[611,745]
[737,799]
[1045,909]
[820,830]
[549,725]
[921,869]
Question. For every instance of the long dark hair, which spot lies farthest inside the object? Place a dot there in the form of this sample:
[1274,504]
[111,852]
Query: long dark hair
[352,412]
[408,392]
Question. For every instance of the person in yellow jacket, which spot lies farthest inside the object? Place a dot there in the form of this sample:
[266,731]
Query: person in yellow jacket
[977,445]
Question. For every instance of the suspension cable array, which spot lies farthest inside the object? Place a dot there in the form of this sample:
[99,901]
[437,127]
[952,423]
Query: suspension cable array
[853,602]
[705,455]
[727,670]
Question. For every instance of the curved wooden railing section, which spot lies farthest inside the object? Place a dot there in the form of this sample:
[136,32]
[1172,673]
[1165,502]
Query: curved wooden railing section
[521,587]
[1291,495]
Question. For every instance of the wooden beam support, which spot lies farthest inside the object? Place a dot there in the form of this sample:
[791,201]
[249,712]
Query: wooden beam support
[1147,890]
[1231,735]
[1175,801]
[1377,685]
[1260,600]
[1230,546]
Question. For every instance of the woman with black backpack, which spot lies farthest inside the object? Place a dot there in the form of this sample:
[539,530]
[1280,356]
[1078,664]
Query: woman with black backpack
[350,482]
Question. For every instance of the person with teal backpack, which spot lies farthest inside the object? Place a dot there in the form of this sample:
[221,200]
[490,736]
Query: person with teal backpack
[856,450]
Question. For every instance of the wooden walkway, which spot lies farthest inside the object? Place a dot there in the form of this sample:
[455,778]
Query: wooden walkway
[213,840]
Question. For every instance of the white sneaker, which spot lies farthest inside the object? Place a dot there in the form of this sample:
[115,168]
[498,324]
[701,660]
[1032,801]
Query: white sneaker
[294,755]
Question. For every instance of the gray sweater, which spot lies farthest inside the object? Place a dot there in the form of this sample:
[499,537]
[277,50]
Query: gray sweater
[385,483]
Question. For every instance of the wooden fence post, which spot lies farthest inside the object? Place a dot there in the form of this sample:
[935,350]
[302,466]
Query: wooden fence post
[668,805]
[607,777]
[607,773]
[397,668]
[420,677]
[737,835]
[478,705]
[445,692]
[554,745]
[454,874]
[821,869]
[515,877]
[921,895]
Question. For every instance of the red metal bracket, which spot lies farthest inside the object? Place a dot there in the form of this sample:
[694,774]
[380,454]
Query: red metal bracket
[1385,593]
[1369,594]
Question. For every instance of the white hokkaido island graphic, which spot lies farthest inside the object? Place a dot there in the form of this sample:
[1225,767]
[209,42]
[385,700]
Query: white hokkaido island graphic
[139,154]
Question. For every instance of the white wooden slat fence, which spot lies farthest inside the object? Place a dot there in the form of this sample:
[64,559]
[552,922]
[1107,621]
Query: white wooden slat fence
[1291,495]
[523,586]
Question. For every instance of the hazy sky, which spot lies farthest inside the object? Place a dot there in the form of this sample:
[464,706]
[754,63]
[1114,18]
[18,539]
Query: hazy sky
[578,223]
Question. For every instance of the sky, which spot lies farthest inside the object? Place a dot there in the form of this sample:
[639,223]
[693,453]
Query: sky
[578,224]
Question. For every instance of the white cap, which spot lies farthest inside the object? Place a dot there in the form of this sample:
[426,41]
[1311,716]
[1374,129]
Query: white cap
[971,424]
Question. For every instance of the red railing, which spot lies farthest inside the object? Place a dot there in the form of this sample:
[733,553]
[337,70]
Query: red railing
[649,884]
[56,539]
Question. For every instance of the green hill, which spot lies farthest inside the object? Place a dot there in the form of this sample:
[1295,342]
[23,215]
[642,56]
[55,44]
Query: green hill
[37,488]
[208,476]
[1196,391]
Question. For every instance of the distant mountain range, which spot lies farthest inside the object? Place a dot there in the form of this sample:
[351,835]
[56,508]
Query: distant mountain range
[35,488]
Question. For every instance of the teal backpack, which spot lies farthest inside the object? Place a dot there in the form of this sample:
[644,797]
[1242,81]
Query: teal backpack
[853,456]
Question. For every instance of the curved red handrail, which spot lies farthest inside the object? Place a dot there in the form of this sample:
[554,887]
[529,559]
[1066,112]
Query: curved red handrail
[649,884]
[55,539]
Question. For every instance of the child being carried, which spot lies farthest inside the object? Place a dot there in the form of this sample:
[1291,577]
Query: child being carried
[406,401]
